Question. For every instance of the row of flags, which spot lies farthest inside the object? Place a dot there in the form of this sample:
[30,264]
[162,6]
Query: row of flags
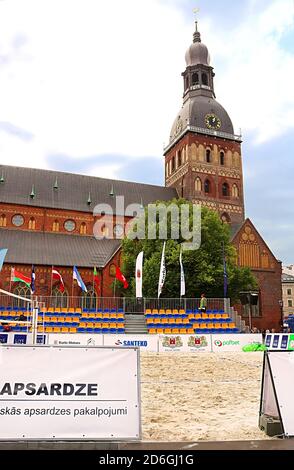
[17,276]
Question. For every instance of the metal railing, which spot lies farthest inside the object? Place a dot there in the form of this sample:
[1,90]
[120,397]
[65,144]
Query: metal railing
[127,304]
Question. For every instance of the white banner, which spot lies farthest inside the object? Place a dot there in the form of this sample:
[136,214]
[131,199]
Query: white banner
[139,275]
[162,273]
[184,343]
[282,368]
[182,276]
[77,339]
[231,342]
[144,342]
[69,393]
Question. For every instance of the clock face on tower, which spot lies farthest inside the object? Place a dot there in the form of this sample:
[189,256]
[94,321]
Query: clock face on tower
[212,121]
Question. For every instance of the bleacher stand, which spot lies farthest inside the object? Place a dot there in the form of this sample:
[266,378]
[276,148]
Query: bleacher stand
[67,320]
[189,322]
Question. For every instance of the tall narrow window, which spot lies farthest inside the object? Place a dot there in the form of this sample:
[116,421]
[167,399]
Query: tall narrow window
[3,220]
[83,228]
[198,184]
[55,227]
[207,186]
[225,189]
[179,158]
[204,79]
[195,79]
[173,164]
[187,83]
[222,158]
[32,224]
[208,156]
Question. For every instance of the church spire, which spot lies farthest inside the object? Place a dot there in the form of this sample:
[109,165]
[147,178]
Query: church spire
[196,35]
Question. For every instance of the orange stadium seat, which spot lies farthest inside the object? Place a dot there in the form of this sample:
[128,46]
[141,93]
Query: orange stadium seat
[78,310]
[167,331]
[152,331]
[190,331]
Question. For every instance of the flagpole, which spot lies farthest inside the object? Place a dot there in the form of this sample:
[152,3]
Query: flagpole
[72,290]
[10,283]
[51,281]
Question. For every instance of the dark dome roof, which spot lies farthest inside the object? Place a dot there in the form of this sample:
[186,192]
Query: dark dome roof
[197,54]
[194,111]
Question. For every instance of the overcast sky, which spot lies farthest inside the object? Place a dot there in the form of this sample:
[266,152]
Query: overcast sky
[93,87]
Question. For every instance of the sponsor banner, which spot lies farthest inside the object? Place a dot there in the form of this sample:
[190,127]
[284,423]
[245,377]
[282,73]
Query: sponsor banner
[230,342]
[21,338]
[144,342]
[77,339]
[184,343]
[69,393]
[198,343]
[280,341]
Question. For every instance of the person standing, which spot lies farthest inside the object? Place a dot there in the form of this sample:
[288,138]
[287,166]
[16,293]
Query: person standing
[203,303]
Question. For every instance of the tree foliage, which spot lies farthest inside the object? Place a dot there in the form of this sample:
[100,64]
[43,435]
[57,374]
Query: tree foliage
[204,269]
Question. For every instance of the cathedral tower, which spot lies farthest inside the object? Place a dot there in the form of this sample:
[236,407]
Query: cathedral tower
[203,158]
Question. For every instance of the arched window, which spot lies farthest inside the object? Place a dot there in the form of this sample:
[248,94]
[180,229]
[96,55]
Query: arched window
[187,83]
[89,298]
[198,184]
[204,79]
[207,186]
[3,220]
[222,158]
[208,155]
[235,191]
[112,270]
[32,224]
[55,227]
[22,291]
[83,228]
[225,218]
[59,299]
[225,189]
[195,79]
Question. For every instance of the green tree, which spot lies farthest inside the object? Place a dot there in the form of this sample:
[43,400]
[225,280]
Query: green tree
[203,267]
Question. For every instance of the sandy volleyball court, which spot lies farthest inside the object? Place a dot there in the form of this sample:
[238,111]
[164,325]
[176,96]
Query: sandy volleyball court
[203,396]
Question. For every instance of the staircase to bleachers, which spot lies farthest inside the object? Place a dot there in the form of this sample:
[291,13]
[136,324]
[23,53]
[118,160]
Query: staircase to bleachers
[135,324]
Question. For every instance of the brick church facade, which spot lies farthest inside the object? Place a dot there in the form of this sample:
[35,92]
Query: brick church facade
[47,218]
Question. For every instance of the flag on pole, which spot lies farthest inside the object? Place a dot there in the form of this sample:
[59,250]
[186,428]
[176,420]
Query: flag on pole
[3,252]
[96,280]
[162,272]
[225,273]
[33,279]
[183,285]
[16,276]
[119,275]
[57,277]
[139,274]
[76,275]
